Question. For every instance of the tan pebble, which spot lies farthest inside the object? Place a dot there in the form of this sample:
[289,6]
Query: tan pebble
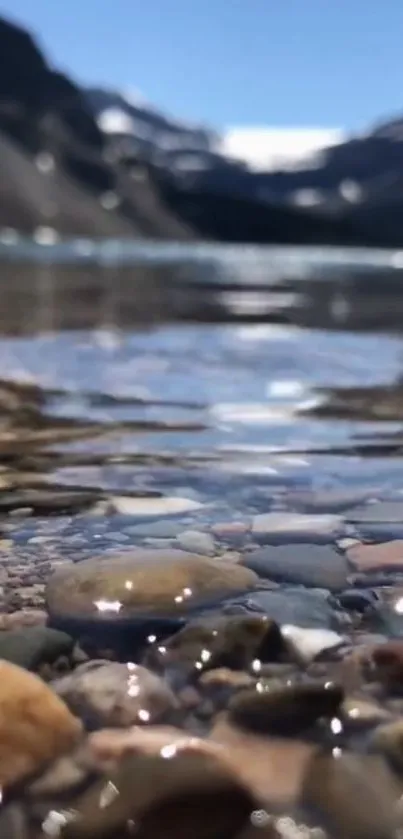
[23,618]
[272,768]
[113,744]
[224,676]
[377,557]
[35,725]
[231,556]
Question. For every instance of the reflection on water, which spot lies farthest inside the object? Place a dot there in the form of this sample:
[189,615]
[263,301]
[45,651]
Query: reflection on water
[180,373]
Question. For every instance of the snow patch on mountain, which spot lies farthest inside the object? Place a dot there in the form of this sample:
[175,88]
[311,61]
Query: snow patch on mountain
[266,148]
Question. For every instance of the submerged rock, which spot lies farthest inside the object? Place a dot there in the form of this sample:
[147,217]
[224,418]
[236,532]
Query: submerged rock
[143,583]
[208,643]
[273,768]
[388,740]
[34,646]
[297,606]
[318,566]
[295,527]
[284,710]
[175,793]
[381,511]
[388,555]
[35,725]
[353,796]
[114,694]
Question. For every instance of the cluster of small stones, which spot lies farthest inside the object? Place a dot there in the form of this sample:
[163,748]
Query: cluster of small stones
[159,684]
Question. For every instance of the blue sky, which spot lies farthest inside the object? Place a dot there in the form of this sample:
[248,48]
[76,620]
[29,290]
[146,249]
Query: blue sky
[332,63]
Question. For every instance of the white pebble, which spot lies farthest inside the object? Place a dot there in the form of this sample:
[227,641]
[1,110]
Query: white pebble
[309,643]
[153,506]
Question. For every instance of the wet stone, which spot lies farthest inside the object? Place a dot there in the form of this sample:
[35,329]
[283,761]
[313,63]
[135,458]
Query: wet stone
[387,664]
[163,798]
[359,713]
[279,528]
[327,500]
[317,566]
[143,583]
[35,725]
[232,642]
[288,710]
[113,694]
[353,796]
[197,542]
[273,768]
[381,511]
[388,740]
[34,646]
[388,555]
[297,606]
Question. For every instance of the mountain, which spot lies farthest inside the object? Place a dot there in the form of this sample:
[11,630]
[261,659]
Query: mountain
[97,163]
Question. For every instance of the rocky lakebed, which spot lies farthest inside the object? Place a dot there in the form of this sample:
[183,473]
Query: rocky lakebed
[201,583]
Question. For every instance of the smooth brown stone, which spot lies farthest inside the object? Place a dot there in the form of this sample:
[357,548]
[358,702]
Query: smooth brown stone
[377,557]
[357,712]
[353,796]
[143,582]
[35,725]
[181,795]
[388,739]
[387,662]
[223,677]
[272,768]
[114,744]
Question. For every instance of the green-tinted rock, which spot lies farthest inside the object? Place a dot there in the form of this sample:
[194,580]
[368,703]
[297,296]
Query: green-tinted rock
[233,642]
[143,583]
[34,646]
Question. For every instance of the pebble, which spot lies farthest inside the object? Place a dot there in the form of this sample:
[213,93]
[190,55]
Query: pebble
[163,506]
[381,511]
[143,582]
[163,797]
[317,566]
[293,527]
[387,661]
[333,500]
[377,557]
[273,768]
[307,644]
[197,542]
[234,642]
[297,606]
[388,740]
[107,694]
[355,796]
[358,713]
[23,618]
[286,710]
[232,532]
[222,676]
[165,529]
[35,725]
[34,646]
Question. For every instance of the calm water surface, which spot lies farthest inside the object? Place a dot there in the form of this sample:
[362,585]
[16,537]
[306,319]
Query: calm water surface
[226,376]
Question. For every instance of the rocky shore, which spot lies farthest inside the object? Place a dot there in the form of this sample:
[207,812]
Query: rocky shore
[248,670]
